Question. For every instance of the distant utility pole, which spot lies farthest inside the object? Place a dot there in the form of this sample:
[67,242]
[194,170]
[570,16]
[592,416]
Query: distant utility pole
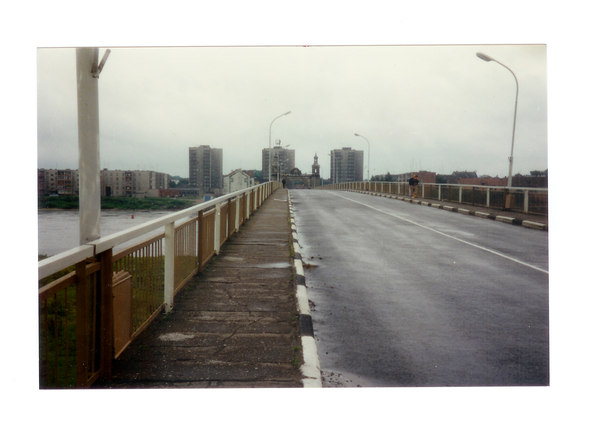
[88,71]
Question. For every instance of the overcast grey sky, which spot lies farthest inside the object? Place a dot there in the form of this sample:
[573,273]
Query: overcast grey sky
[437,108]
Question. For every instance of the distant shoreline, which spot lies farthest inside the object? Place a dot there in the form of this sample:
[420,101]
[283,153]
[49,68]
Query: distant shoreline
[71,203]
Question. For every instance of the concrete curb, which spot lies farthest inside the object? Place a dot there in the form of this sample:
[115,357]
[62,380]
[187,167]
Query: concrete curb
[506,219]
[311,369]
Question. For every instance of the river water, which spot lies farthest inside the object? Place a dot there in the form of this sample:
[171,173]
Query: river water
[58,230]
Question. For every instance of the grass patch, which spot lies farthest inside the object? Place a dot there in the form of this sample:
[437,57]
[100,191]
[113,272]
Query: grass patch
[296,353]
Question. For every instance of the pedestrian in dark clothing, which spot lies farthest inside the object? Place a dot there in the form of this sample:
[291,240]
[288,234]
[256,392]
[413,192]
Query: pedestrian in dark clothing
[413,183]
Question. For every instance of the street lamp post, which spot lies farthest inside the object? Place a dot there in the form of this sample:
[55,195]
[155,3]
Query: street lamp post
[369,159]
[284,114]
[510,159]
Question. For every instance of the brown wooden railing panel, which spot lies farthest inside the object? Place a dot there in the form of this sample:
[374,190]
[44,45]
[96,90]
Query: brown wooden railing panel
[66,314]
[186,257]
[224,211]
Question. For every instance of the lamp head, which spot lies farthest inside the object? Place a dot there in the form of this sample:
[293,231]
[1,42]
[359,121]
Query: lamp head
[356,134]
[484,57]
[287,113]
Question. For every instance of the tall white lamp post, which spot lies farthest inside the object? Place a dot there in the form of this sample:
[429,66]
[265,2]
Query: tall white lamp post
[88,129]
[369,159]
[284,114]
[510,159]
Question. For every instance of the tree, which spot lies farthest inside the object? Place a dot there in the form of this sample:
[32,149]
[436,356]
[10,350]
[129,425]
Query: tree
[539,173]
[388,177]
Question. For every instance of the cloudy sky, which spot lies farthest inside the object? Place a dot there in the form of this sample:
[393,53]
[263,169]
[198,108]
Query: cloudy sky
[429,107]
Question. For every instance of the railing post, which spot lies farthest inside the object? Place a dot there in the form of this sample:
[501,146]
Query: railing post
[200,236]
[526,201]
[247,213]
[460,194]
[217,228]
[223,207]
[237,213]
[439,191]
[243,208]
[169,266]
[106,315]
[487,198]
[82,327]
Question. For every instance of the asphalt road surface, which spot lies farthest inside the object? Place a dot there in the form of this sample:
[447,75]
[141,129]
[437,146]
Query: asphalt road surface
[409,295]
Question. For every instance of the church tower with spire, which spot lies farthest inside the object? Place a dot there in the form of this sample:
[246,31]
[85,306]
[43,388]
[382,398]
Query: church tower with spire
[315,177]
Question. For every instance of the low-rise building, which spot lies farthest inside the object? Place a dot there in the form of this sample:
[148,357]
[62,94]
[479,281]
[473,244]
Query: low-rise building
[163,192]
[236,180]
[530,181]
[425,177]
[63,182]
[112,182]
[457,176]
[128,183]
[493,182]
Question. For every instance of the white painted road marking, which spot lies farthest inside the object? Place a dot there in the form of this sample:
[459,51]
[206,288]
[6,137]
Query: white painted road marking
[447,235]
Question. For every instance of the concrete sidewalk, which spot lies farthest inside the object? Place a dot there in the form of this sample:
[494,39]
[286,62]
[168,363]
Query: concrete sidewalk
[236,324]
[529,220]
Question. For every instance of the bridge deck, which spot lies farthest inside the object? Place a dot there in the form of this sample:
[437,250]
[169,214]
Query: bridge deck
[233,325]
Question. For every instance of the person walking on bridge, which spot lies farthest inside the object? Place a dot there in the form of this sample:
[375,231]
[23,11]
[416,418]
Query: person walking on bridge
[413,182]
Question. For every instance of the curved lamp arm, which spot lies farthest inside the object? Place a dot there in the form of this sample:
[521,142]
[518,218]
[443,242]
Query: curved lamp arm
[510,159]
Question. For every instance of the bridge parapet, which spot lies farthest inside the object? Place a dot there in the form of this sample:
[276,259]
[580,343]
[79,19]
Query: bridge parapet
[93,301]
[528,200]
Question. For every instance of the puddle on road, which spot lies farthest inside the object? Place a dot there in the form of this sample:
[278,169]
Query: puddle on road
[266,265]
[175,336]
[272,265]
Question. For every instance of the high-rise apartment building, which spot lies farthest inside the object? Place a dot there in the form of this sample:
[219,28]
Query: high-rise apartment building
[282,162]
[346,165]
[206,168]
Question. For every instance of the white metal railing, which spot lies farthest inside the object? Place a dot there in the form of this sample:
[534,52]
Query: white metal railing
[523,199]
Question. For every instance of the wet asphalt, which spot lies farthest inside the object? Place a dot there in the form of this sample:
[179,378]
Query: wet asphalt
[408,295]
